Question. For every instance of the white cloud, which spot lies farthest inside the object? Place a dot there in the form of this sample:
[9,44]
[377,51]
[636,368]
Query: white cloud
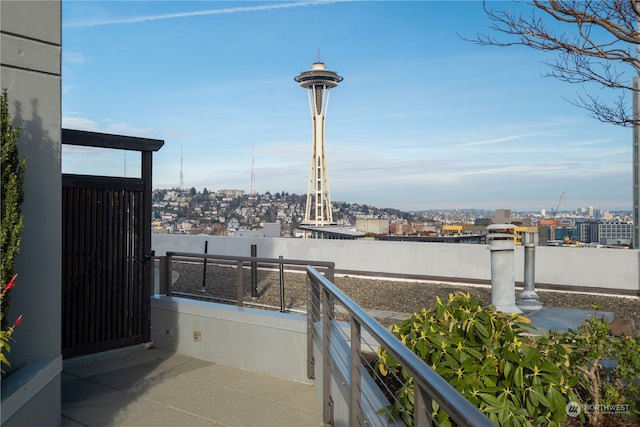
[120,128]
[73,57]
[79,123]
[110,126]
[175,133]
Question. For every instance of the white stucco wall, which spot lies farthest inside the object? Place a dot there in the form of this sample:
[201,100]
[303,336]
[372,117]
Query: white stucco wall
[582,268]
[261,341]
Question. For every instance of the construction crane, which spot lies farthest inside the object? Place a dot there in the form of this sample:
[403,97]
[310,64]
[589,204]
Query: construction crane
[554,224]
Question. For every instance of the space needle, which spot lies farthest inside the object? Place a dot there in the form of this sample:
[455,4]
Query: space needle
[318,80]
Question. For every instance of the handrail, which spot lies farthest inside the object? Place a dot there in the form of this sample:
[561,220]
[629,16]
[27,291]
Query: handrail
[239,261]
[427,383]
[280,261]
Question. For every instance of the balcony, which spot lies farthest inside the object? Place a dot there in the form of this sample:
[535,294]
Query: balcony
[282,337]
[219,363]
[201,338]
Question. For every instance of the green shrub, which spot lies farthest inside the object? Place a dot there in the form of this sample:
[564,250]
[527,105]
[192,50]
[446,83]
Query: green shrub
[490,357]
[6,334]
[598,387]
[11,196]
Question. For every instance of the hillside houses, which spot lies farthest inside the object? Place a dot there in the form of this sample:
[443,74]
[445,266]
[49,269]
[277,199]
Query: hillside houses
[224,212]
[232,212]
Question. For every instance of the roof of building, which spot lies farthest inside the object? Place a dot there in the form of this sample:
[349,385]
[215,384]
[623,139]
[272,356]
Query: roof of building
[334,231]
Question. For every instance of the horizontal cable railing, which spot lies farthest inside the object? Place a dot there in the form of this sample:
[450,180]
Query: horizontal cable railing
[246,286]
[348,338]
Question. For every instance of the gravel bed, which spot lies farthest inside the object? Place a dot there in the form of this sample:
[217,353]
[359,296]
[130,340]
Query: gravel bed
[400,296]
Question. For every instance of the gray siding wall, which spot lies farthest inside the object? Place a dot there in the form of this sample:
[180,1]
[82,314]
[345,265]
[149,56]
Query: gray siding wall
[30,62]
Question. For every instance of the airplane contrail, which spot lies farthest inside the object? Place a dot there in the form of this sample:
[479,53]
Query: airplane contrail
[138,19]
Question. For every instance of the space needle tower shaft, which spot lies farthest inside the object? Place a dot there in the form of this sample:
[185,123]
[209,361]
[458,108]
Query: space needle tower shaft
[318,81]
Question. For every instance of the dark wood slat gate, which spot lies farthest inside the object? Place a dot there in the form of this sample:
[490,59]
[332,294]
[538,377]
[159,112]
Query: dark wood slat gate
[107,271]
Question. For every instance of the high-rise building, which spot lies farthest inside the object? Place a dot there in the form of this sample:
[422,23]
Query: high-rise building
[588,231]
[615,232]
[502,216]
[318,81]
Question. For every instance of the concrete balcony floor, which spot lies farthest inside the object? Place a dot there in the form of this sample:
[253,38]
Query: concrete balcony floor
[151,387]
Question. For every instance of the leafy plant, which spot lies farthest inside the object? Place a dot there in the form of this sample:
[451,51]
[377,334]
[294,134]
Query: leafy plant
[11,197]
[607,369]
[5,335]
[490,357]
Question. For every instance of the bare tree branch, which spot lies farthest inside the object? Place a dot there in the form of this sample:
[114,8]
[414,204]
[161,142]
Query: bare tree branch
[598,44]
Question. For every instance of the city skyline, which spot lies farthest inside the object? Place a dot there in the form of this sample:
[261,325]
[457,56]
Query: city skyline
[423,119]
[543,213]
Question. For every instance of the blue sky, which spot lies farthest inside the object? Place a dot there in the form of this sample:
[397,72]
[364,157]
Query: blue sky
[422,120]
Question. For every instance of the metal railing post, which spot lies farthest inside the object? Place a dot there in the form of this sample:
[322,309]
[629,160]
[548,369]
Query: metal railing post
[330,273]
[312,316]
[327,402]
[239,284]
[165,275]
[204,266]
[355,409]
[423,405]
[315,301]
[254,272]
[281,269]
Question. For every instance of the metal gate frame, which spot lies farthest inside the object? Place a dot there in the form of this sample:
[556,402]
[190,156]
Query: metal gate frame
[107,264]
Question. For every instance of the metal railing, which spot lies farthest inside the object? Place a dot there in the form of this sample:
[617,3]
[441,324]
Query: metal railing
[336,323]
[241,264]
[322,296]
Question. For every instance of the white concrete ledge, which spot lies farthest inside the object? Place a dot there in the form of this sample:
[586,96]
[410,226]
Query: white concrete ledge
[615,271]
[23,385]
[269,342]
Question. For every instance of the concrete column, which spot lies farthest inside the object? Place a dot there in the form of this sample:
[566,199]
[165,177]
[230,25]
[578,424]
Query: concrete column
[528,298]
[503,283]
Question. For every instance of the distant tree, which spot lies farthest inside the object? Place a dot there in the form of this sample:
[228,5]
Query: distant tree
[158,195]
[483,221]
[192,191]
[205,192]
[235,203]
[11,197]
[597,43]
